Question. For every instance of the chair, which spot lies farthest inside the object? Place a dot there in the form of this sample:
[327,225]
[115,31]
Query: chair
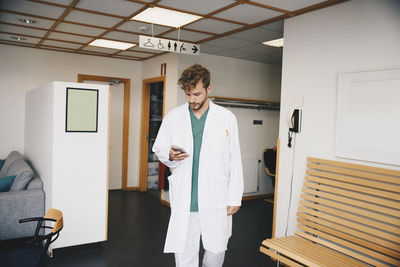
[270,163]
[33,251]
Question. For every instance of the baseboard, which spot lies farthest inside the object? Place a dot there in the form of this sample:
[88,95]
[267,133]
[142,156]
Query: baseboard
[166,203]
[131,188]
[257,196]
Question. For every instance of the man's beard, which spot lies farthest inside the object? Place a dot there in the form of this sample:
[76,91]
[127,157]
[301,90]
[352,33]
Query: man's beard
[197,106]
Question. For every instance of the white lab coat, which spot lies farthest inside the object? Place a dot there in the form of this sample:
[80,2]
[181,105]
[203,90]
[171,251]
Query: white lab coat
[220,180]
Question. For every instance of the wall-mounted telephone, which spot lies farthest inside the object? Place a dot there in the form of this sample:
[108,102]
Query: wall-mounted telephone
[294,123]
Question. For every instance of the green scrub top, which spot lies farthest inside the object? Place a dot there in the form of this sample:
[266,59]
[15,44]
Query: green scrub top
[197,130]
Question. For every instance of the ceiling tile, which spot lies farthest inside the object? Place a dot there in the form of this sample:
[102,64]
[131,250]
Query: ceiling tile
[290,5]
[61,44]
[14,18]
[61,2]
[235,53]
[264,59]
[211,49]
[261,49]
[257,35]
[134,54]
[33,8]
[248,14]
[21,30]
[120,36]
[134,26]
[228,42]
[7,37]
[201,7]
[69,37]
[92,19]
[68,27]
[275,26]
[100,49]
[187,36]
[213,26]
[116,7]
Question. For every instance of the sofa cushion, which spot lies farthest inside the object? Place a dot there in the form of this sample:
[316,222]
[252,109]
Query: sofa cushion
[2,163]
[9,160]
[23,172]
[6,182]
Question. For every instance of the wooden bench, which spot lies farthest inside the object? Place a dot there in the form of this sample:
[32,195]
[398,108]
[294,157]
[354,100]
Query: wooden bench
[348,215]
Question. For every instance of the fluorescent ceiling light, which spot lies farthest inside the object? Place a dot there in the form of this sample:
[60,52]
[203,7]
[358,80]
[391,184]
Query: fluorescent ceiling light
[165,17]
[111,44]
[276,43]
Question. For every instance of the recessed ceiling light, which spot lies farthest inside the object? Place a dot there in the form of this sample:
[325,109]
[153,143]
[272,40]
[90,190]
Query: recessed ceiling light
[28,21]
[18,38]
[166,17]
[276,43]
[111,44]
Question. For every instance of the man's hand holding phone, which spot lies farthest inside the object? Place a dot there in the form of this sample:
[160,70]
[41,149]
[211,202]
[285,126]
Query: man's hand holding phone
[177,153]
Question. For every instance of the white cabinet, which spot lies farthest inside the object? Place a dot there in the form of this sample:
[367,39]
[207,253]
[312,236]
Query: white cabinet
[72,165]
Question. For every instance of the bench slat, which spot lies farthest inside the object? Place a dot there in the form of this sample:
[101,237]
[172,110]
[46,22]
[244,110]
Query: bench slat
[348,208]
[351,217]
[350,245]
[280,258]
[355,166]
[354,180]
[354,202]
[366,236]
[348,237]
[357,188]
[370,178]
[340,249]
[315,255]
[358,196]
[307,250]
[364,228]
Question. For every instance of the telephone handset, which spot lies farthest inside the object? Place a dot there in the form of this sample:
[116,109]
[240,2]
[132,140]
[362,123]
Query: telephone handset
[294,120]
[294,123]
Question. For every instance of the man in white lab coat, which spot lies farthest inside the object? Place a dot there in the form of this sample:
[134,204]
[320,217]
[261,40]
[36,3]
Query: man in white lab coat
[199,142]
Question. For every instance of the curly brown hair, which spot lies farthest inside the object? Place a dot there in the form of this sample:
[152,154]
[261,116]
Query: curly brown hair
[192,75]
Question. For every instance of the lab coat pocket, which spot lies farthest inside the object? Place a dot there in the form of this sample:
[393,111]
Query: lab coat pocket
[222,191]
[219,142]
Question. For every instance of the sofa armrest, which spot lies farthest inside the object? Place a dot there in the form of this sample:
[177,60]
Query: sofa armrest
[19,205]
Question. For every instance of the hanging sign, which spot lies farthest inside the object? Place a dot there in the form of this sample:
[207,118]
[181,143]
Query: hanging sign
[168,45]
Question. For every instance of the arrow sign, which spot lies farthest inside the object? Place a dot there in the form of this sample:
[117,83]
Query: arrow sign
[168,45]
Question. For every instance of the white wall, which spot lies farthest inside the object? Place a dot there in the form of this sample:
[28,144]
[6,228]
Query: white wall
[23,69]
[39,138]
[353,36]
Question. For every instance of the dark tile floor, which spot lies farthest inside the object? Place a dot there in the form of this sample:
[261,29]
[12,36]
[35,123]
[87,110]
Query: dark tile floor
[136,232]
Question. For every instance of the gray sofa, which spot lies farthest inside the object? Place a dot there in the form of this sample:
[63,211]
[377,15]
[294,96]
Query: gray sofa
[25,199]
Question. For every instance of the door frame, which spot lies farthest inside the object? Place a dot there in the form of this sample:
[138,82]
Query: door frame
[144,146]
[125,127]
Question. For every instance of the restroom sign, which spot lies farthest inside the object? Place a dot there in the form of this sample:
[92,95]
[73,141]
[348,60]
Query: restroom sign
[168,45]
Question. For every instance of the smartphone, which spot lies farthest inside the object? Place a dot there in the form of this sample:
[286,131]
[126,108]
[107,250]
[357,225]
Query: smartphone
[180,149]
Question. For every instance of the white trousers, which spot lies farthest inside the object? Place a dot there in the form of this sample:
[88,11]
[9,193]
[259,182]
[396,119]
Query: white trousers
[190,258]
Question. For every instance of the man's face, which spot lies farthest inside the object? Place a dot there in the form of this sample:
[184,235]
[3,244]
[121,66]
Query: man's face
[197,96]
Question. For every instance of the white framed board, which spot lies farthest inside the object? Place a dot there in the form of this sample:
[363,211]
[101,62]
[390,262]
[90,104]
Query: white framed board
[368,116]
